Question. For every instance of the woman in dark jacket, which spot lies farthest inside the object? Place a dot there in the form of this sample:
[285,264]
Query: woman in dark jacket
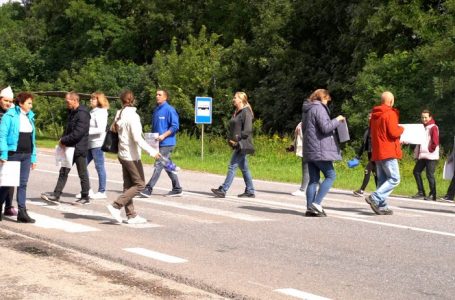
[320,148]
[241,140]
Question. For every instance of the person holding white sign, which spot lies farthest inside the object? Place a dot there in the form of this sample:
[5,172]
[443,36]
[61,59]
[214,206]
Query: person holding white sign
[17,143]
[75,135]
[386,150]
[6,102]
[165,121]
[427,155]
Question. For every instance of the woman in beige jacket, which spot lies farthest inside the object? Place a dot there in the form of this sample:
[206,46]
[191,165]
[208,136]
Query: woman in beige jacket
[128,125]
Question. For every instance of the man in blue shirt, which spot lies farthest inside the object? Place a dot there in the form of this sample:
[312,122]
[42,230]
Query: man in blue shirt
[165,121]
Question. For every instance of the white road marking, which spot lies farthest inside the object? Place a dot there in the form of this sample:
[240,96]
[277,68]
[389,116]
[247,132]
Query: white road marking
[93,214]
[300,294]
[207,210]
[156,255]
[54,223]
[399,226]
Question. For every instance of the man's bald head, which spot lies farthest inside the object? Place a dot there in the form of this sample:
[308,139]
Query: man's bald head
[387,98]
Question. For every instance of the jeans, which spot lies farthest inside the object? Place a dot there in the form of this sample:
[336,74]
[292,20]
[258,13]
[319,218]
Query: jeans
[97,155]
[238,160]
[388,178]
[133,182]
[165,151]
[26,162]
[305,176]
[81,164]
[313,195]
[430,167]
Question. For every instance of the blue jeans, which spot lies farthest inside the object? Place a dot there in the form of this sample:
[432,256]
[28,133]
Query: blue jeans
[388,178]
[313,195]
[238,160]
[26,162]
[97,155]
[165,151]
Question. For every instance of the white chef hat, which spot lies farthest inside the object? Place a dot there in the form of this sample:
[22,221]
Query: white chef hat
[7,93]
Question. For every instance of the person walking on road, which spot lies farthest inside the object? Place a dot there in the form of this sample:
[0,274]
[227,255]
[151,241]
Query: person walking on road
[129,128]
[386,150]
[449,196]
[298,148]
[320,149]
[165,122]
[371,166]
[17,143]
[241,141]
[96,135]
[427,155]
[75,135]
[6,102]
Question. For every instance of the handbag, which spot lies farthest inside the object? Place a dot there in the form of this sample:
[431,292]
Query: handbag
[110,143]
[111,140]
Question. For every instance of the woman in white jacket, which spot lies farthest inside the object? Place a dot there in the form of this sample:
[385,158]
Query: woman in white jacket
[128,125]
[96,134]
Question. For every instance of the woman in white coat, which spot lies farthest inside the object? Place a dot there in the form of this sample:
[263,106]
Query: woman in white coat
[128,125]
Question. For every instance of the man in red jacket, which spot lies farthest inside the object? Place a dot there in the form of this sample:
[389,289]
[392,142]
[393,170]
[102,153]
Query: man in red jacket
[427,155]
[386,150]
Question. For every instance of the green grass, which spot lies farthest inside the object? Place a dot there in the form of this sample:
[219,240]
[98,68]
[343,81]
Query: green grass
[272,162]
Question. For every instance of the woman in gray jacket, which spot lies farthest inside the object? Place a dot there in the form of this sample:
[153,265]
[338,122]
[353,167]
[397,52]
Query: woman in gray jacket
[241,141]
[320,148]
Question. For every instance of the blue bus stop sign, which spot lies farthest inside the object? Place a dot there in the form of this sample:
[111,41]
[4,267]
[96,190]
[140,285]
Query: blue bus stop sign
[203,110]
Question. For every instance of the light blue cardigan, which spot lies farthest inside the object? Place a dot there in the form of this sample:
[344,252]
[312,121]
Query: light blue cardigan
[9,132]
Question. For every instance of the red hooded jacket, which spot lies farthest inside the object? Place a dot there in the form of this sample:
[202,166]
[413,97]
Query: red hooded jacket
[385,133]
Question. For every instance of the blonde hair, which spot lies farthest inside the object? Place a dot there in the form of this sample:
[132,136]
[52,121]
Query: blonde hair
[101,99]
[73,95]
[243,96]
[319,95]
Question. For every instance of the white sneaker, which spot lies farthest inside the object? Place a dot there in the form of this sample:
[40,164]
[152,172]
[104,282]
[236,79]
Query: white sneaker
[299,193]
[317,207]
[90,194]
[136,220]
[115,213]
[99,195]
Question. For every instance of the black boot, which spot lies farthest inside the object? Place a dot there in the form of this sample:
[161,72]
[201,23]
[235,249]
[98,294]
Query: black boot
[23,217]
[1,211]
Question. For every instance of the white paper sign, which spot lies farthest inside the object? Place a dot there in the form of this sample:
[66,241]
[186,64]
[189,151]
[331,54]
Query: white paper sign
[10,173]
[152,139]
[413,134]
[448,170]
[64,156]
[343,132]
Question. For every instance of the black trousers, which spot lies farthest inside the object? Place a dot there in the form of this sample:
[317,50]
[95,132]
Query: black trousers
[430,167]
[81,164]
[451,189]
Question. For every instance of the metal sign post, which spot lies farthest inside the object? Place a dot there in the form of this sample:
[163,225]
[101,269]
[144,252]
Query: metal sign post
[203,115]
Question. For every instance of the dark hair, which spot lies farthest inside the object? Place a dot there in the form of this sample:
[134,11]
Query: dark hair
[427,111]
[22,97]
[127,98]
[165,92]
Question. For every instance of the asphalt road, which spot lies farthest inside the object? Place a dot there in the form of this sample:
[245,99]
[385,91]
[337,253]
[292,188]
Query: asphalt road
[262,248]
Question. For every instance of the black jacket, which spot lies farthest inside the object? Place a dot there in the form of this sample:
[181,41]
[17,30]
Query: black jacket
[366,144]
[241,130]
[76,130]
